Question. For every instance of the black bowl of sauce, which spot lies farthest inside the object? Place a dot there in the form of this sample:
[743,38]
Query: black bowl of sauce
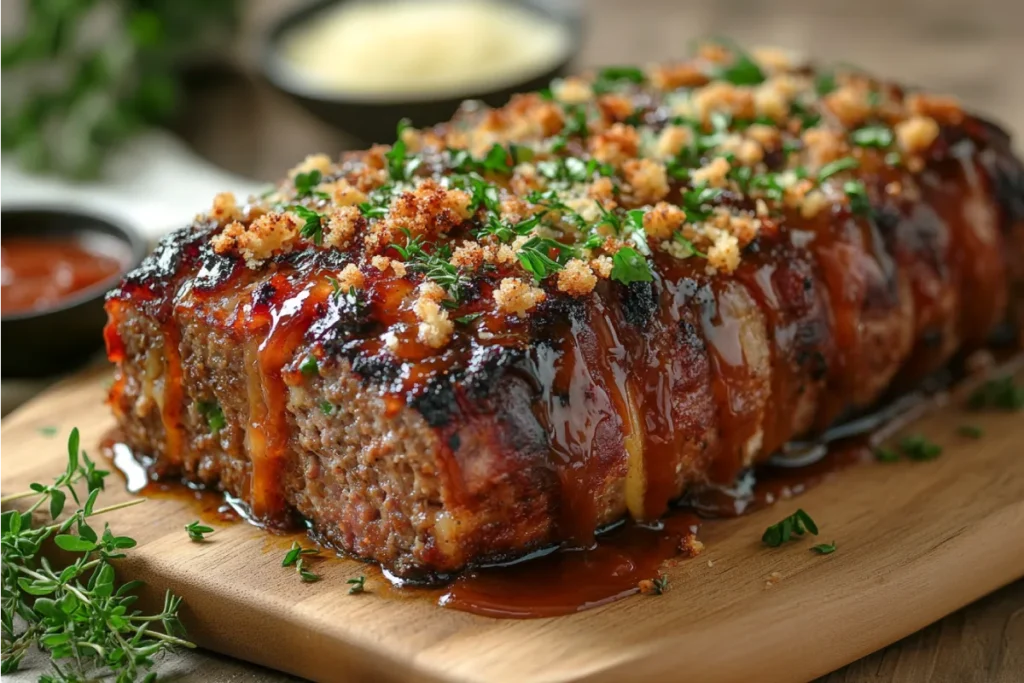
[57,267]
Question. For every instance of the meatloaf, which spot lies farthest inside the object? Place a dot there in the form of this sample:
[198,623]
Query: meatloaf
[516,328]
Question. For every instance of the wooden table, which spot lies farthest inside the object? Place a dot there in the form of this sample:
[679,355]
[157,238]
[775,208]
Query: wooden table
[971,49]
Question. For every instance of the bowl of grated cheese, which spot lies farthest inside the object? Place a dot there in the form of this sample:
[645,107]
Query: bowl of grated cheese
[363,66]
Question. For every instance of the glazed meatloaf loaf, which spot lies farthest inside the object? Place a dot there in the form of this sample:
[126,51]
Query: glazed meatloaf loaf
[518,327]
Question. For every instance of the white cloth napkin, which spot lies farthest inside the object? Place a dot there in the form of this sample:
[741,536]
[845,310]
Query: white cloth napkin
[154,183]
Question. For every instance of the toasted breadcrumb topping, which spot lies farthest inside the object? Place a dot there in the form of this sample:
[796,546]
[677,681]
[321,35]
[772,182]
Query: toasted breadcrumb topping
[435,329]
[516,297]
[691,160]
[577,278]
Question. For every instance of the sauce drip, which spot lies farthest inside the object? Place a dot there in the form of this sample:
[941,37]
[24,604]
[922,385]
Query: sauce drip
[40,273]
[569,581]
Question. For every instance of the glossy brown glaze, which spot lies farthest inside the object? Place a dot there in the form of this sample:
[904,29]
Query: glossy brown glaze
[637,391]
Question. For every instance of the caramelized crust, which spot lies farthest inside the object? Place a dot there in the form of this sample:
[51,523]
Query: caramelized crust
[515,328]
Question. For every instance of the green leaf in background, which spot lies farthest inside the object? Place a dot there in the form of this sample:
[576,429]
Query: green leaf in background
[82,76]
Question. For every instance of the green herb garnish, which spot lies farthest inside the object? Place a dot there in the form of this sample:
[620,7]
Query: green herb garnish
[825,83]
[305,185]
[312,226]
[629,266]
[837,166]
[660,584]
[824,548]
[535,256]
[858,196]
[797,524]
[435,265]
[1003,393]
[468,318]
[356,585]
[79,615]
[401,166]
[307,575]
[48,431]
[743,70]
[309,366]
[295,552]
[213,414]
[872,136]
[917,447]
[196,531]
[610,78]
[326,407]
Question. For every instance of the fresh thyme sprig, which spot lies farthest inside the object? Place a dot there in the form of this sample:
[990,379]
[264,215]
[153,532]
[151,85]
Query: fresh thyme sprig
[356,585]
[434,265]
[77,613]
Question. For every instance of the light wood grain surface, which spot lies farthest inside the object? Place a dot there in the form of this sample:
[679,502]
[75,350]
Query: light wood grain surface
[972,49]
[916,541]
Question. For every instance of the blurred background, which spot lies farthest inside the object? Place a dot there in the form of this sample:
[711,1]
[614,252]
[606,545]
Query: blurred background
[141,110]
[145,108]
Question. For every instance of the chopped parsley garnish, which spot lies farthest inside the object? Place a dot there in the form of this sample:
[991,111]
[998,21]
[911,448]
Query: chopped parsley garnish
[872,136]
[401,165]
[575,126]
[305,185]
[824,548]
[893,159]
[970,431]
[326,407]
[858,196]
[196,531]
[1003,393]
[312,227]
[571,170]
[629,266]
[356,585]
[695,202]
[797,524]
[743,70]
[536,259]
[837,166]
[917,447]
[610,78]
[309,366]
[825,83]
[212,413]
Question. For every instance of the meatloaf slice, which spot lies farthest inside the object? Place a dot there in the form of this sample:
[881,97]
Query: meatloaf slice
[514,329]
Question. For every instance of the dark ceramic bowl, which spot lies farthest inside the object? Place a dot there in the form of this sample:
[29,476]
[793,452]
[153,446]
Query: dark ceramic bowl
[57,338]
[374,118]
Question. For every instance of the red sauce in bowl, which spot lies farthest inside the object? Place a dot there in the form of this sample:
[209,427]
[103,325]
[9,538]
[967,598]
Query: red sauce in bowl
[40,273]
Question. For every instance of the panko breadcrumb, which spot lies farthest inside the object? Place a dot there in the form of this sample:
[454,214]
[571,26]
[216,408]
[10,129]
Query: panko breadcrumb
[576,278]
[516,297]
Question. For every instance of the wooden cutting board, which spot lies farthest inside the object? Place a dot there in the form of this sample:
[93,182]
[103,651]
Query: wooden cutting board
[916,541]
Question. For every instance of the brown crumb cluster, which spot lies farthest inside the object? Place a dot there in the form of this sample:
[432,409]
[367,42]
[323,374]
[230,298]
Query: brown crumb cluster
[595,183]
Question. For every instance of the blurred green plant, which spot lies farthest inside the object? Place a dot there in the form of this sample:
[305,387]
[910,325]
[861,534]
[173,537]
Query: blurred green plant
[84,75]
